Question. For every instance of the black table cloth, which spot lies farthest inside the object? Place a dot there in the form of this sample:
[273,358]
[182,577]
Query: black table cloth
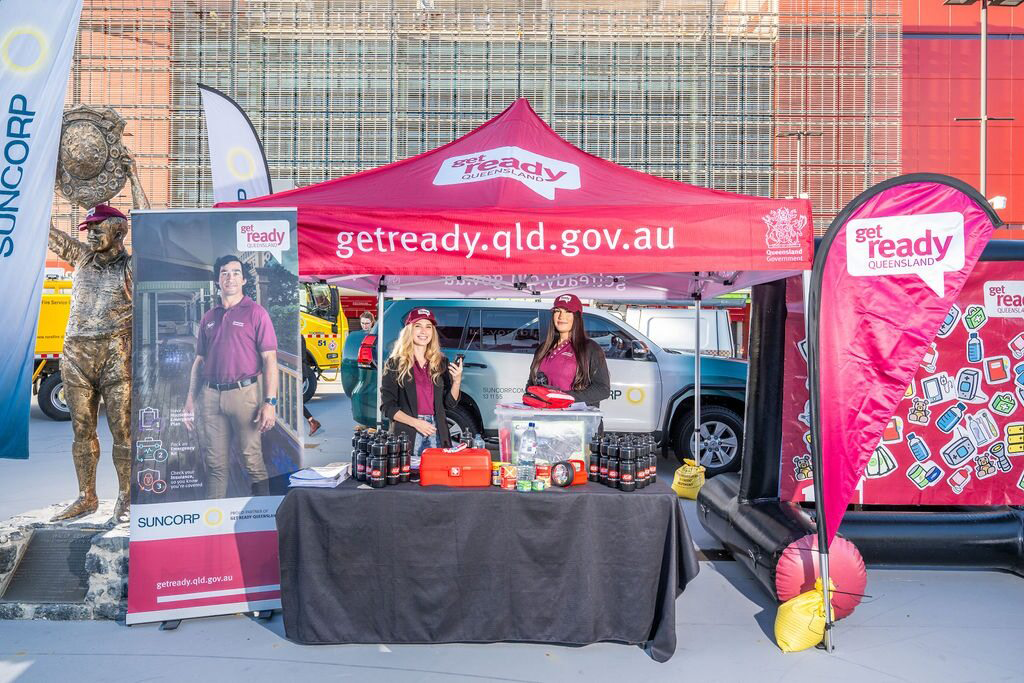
[412,564]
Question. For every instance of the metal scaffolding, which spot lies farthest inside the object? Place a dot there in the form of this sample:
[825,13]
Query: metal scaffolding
[695,90]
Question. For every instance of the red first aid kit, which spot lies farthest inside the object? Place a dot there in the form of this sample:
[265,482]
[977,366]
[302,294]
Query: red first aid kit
[467,467]
[546,397]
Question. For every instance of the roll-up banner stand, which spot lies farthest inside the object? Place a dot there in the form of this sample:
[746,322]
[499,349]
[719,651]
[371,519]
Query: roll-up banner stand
[216,316]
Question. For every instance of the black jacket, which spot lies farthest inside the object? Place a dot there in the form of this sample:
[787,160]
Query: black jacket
[599,387]
[395,397]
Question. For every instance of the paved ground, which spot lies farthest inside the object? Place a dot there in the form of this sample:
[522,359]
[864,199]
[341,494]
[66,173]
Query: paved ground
[919,625]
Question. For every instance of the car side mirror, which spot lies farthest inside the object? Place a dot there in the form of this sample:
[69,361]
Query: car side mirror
[640,350]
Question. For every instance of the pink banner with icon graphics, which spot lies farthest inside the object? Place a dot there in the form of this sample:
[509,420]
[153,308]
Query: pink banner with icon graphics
[891,274]
[976,455]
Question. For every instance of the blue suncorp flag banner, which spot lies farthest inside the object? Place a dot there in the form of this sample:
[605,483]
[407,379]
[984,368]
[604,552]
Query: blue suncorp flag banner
[37,40]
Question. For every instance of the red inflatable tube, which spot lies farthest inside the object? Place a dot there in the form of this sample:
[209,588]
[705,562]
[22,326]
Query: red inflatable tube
[798,568]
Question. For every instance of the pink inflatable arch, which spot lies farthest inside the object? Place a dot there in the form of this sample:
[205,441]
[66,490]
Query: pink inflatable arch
[798,568]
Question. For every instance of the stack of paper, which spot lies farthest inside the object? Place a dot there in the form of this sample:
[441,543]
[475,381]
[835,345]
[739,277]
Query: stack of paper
[326,476]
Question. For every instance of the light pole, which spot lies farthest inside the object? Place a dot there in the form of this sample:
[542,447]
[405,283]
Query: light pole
[800,135]
[983,118]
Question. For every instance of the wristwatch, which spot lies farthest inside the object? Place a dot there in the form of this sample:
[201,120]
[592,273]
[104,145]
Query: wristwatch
[270,401]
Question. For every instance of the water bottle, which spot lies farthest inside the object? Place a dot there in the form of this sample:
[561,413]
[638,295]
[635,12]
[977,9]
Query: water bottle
[405,449]
[595,452]
[918,447]
[478,442]
[949,419]
[974,348]
[526,466]
[653,460]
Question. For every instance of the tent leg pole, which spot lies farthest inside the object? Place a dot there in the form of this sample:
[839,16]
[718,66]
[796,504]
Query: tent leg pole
[810,334]
[381,288]
[696,382]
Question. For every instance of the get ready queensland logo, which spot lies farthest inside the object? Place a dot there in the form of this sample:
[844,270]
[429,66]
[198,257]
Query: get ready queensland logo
[926,245]
[539,173]
[273,236]
[1004,299]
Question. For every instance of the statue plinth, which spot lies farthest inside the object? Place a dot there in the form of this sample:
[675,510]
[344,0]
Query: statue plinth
[71,570]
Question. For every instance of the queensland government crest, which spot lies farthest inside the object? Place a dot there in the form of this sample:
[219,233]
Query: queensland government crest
[784,232]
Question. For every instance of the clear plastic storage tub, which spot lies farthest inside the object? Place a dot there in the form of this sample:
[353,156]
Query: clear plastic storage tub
[561,434]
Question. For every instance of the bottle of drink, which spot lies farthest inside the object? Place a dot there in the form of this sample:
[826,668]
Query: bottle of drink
[602,462]
[975,350]
[478,442]
[950,417]
[527,462]
[627,467]
[378,464]
[362,455]
[356,433]
[653,459]
[405,449]
[394,460]
[642,469]
[613,464]
[595,454]
[918,448]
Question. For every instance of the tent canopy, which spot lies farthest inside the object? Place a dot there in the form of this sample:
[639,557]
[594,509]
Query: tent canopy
[512,196]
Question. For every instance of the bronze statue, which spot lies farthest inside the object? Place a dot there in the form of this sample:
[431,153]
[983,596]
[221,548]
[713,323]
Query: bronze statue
[96,361]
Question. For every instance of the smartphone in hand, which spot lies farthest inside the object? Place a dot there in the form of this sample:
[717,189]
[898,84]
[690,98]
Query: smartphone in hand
[459,358]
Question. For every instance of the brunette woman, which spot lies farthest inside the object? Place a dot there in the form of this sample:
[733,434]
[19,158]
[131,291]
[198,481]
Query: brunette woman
[419,384]
[567,359]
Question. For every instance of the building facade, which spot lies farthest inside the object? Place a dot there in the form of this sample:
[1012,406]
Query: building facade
[702,91]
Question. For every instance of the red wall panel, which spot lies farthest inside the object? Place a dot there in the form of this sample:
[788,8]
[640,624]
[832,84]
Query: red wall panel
[941,82]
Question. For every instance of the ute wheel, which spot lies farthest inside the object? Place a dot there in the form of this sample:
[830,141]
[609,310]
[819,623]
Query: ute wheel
[461,424]
[721,439]
[308,382]
[51,398]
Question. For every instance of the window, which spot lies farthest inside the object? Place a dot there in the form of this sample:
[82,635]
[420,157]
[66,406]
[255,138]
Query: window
[315,299]
[473,330]
[613,340]
[511,331]
[450,324]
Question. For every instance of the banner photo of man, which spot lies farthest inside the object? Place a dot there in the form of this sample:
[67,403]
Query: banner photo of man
[217,408]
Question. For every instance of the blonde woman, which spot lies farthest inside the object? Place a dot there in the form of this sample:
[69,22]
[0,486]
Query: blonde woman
[418,384]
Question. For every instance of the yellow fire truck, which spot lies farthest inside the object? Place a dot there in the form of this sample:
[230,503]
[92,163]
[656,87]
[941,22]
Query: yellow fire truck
[324,327]
[53,319]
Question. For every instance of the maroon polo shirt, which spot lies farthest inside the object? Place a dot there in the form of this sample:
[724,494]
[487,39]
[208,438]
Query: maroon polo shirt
[232,339]
[560,366]
[424,389]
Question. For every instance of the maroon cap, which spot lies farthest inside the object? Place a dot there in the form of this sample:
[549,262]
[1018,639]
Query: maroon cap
[100,213]
[420,314]
[569,302]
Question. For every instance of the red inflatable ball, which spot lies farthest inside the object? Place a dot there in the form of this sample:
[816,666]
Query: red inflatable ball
[798,568]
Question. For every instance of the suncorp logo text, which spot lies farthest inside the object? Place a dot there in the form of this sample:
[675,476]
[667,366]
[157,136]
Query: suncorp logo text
[539,173]
[926,245]
[168,520]
[17,144]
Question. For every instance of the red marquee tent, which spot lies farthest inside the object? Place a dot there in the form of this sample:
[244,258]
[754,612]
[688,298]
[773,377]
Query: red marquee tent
[512,196]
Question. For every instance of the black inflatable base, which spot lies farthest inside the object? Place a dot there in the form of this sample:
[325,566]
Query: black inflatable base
[756,533]
[983,538]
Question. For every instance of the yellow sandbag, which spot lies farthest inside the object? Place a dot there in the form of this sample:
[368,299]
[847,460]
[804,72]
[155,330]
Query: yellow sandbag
[688,480]
[800,622]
